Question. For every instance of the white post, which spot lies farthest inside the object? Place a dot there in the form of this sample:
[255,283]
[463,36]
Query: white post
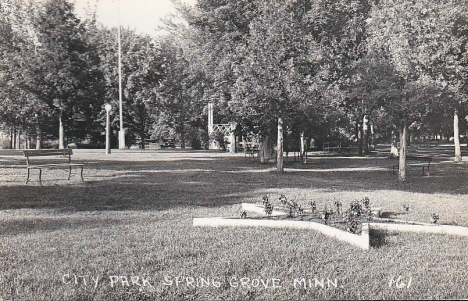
[212,144]
[108,148]
[122,130]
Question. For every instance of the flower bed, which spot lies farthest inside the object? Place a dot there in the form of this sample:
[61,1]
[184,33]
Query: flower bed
[350,225]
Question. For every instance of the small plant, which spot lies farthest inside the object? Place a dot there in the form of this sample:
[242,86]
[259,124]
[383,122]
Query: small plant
[243,214]
[366,203]
[300,210]
[313,206]
[338,206]
[434,218]
[325,216]
[406,207]
[358,210]
[355,209]
[353,226]
[283,200]
[268,208]
[290,205]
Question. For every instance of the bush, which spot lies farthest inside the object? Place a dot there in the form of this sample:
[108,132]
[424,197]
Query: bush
[198,138]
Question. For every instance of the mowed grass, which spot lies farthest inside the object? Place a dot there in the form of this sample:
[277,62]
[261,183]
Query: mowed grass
[133,217]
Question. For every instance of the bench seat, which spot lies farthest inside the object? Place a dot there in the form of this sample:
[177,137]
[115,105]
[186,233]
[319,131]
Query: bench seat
[58,165]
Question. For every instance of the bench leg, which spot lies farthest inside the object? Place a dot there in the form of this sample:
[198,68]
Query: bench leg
[40,176]
[27,179]
[69,173]
[81,174]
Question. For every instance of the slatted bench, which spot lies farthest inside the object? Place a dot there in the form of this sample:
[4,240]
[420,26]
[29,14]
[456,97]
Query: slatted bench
[64,161]
[251,150]
[416,161]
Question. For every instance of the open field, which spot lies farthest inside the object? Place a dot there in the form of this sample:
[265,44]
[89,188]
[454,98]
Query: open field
[133,217]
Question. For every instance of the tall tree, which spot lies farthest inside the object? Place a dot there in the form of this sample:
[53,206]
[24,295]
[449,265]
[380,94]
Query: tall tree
[423,43]
[63,63]
[180,88]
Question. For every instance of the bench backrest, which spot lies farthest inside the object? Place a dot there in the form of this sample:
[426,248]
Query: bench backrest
[67,152]
[48,152]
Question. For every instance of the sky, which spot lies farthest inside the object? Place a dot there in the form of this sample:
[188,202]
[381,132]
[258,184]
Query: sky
[142,15]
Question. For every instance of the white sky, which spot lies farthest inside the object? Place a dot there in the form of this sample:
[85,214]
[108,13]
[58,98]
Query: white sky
[142,15]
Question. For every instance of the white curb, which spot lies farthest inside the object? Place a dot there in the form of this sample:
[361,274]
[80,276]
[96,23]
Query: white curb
[439,229]
[361,241]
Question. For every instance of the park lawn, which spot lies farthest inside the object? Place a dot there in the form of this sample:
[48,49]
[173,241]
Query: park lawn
[133,217]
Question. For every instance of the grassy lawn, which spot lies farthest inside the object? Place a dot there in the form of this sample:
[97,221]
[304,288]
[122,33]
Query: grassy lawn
[132,218]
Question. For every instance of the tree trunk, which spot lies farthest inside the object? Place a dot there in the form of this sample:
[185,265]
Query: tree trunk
[38,136]
[402,161]
[456,138]
[302,148]
[19,139]
[14,138]
[266,149]
[279,154]
[61,146]
[11,139]
[394,145]
[359,137]
[182,139]
[142,138]
[365,134]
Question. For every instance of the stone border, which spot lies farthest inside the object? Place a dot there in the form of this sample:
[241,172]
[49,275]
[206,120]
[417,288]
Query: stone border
[361,241]
[438,229]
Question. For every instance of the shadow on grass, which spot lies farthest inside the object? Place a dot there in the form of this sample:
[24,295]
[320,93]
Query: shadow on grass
[388,214]
[169,179]
[379,238]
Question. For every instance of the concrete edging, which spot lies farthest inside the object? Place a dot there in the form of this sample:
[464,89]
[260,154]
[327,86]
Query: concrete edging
[361,241]
[438,229]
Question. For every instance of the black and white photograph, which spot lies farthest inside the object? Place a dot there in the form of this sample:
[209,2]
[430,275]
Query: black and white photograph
[233,150]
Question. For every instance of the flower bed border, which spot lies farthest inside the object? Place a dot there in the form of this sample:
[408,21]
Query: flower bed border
[361,241]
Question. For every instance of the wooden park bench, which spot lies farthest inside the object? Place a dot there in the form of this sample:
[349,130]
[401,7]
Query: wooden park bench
[63,161]
[331,146]
[416,161]
[251,150]
[337,147]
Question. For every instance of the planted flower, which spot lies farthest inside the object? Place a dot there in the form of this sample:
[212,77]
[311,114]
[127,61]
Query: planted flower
[313,206]
[366,202]
[243,214]
[325,216]
[283,200]
[268,208]
[338,206]
[434,218]
[300,210]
